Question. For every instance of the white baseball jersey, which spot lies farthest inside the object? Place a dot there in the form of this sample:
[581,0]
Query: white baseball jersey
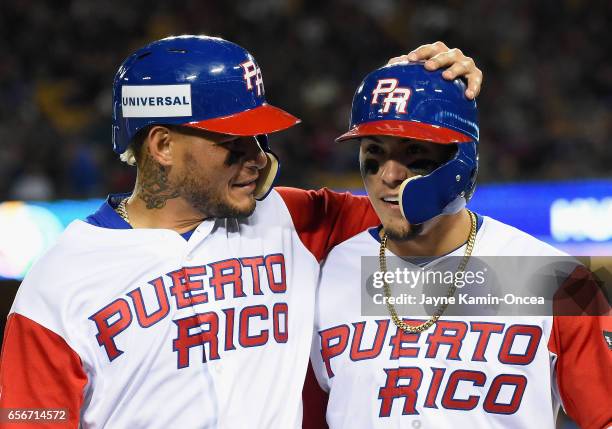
[145,328]
[467,372]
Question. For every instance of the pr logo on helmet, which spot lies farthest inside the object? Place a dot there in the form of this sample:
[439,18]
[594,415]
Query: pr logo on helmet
[251,71]
[395,95]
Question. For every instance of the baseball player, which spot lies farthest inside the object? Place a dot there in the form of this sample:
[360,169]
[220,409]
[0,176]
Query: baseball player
[186,303]
[418,137]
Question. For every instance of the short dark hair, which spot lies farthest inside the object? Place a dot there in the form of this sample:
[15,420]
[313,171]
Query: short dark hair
[138,141]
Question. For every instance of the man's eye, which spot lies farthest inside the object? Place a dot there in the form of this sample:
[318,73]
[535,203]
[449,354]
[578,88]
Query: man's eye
[415,150]
[423,166]
[237,153]
[374,150]
[228,144]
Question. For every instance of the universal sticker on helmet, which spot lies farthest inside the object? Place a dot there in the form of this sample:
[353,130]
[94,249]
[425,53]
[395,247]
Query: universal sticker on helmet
[156,101]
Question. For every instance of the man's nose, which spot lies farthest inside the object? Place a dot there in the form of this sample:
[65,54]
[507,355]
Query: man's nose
[256,157]
[394,173]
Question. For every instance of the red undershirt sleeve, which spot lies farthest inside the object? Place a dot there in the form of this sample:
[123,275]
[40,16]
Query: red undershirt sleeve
[39,370]
[322,220]
[314,400]
[325,218]
[584,359]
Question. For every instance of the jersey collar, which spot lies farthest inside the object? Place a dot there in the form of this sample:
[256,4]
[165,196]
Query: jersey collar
[422,261]
[374,232]
[107,217]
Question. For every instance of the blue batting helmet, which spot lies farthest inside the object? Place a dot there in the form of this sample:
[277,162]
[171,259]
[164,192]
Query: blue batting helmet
[196,81]
[405,100]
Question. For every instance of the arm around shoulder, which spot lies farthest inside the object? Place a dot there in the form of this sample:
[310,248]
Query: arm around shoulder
[325,218]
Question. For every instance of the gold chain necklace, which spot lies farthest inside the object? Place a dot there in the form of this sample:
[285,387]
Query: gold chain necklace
[122,210]
[451,290]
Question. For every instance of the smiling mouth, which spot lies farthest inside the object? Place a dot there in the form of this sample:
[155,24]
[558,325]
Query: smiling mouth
[392,201]
[249,185]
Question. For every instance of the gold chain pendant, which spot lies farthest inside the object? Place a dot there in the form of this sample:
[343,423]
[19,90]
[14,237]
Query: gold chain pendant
[451,290]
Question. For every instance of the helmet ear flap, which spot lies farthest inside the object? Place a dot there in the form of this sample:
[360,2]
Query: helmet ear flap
[446,190]
[267,175]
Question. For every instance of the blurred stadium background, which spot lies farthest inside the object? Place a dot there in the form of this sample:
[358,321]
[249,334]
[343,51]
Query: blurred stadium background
[546,104]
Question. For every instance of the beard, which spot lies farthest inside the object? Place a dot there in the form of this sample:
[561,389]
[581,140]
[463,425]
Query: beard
[403,234]
[204,197]
[208,202]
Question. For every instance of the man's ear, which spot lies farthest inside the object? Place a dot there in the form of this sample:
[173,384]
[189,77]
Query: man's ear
[160,144]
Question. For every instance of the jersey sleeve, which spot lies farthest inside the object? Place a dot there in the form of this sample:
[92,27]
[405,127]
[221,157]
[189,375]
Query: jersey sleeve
[579,339]
[38,369]
[325,218]
[314,402]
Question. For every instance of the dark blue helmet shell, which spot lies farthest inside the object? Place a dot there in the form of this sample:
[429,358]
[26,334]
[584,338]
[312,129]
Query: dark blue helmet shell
[198,81]
[405,100]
